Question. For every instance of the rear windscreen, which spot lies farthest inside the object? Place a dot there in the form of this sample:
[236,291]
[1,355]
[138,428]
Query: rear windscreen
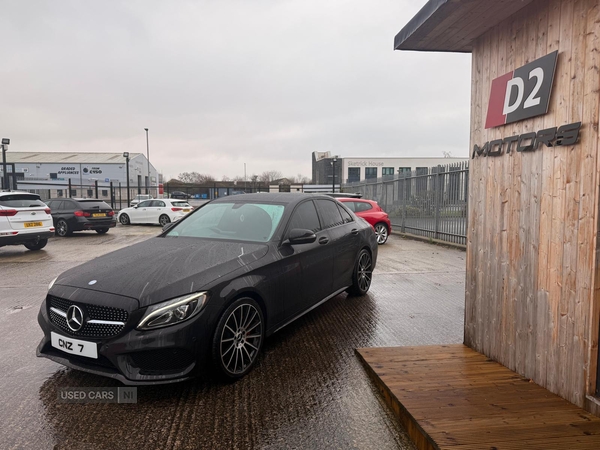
[93,204]
[21,201]
[181,204]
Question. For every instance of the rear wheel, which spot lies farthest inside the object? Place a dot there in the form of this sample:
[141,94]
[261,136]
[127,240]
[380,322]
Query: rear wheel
[124,219]
[62,228]
[363,274]
[36,245]
[102,231]
[164,219]
[238,338]
[381,232]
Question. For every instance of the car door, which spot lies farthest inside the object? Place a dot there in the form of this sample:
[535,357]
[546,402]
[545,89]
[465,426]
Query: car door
[140,214]
[343,232]
[155,210]
[309,265]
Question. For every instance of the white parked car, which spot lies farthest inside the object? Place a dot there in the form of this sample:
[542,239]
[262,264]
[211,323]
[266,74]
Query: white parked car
[140,198]
[24,220]
[161,211]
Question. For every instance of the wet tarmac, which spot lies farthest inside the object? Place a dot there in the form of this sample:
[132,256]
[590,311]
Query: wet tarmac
[308,391]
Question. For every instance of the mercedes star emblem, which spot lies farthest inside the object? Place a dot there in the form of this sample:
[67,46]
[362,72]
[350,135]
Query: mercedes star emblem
[74,318]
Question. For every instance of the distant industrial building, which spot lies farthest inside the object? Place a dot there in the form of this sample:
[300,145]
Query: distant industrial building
[53,171]
[353,169]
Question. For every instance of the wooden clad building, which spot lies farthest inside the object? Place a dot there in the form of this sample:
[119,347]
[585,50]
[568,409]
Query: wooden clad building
[533,285]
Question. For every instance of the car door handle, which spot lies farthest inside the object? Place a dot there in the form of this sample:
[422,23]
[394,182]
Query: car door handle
[323,240]
[354,231]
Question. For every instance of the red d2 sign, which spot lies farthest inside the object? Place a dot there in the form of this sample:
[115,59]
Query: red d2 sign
[523,93]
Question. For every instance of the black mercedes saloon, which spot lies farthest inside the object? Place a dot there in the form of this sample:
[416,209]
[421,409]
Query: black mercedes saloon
[208,290]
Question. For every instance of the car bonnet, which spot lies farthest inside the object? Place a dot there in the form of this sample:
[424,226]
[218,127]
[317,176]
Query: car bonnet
[163,268]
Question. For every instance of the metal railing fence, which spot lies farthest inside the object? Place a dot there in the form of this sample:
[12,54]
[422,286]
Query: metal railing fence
[430,202]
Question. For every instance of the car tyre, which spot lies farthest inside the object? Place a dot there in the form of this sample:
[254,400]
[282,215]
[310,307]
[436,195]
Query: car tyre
[363,274]
[62,228]
[102,231]
[36,245]
[163,220]
[238,339]
[381,232]
[124,219]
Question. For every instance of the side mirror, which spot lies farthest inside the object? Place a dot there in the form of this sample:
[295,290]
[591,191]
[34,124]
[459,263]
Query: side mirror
[301,236]
[168,226]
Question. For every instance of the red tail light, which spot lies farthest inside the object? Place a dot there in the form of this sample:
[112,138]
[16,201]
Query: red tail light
[176,209]
[111,213]
[82,214]
[8,212]
[47,210]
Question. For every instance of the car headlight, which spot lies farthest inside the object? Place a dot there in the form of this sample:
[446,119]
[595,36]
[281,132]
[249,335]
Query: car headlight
[172,311]
[52,283]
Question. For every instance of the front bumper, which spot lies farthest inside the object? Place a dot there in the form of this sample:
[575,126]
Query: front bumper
[165,355]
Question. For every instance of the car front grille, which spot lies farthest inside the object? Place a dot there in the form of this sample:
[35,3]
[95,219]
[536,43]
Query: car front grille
[99,321]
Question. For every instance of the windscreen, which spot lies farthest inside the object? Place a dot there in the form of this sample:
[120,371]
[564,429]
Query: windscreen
[93,204]
[232,221]
[21,201]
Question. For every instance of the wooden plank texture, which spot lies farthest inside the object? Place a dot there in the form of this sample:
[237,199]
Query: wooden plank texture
[452,397]
[532,287]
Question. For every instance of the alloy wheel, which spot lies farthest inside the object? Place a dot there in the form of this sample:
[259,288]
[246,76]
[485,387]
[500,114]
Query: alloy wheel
[381,233]
[163,220]
[62,228]
[241,339]
[364,272]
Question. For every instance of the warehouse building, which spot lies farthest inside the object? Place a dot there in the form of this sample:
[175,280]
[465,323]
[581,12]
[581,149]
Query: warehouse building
[51,173]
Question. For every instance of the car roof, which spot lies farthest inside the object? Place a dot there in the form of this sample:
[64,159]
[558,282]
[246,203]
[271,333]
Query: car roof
[3,193]
[271,197]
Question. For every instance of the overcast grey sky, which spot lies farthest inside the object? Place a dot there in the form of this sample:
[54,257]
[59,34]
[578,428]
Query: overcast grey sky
[223,83]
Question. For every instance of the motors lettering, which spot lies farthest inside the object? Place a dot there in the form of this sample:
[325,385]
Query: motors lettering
[550,137]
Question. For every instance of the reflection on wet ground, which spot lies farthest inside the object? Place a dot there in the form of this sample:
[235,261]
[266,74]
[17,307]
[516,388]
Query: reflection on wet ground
[308,391]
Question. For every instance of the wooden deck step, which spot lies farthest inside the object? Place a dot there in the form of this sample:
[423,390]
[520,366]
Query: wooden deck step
[451,397]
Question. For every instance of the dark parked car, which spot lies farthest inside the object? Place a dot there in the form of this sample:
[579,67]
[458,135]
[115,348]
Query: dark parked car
[72,214]
[208,290]
[179,194]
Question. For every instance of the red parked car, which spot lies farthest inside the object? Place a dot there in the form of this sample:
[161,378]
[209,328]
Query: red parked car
[372,213]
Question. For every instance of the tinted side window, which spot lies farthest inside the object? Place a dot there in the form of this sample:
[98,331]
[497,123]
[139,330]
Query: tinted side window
[351,206]
[330,213]
[145,204]
[58,204]
[345,214]
[68,205]
[363,206]
[305,217]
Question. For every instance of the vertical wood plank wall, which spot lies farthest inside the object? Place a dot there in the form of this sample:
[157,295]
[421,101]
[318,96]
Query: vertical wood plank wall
[532,291]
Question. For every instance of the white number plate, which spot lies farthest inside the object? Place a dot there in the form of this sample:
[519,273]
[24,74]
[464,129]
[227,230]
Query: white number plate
[74,346]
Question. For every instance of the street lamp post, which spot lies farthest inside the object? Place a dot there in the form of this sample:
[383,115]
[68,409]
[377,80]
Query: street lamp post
[333,169]
[5,142]
[148,158]
[126,156]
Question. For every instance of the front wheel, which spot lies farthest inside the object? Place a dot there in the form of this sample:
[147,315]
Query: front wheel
[36,245]
[124,219]
[238,338]
[363,274]
[381,232]
[62,228]
[163,220]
